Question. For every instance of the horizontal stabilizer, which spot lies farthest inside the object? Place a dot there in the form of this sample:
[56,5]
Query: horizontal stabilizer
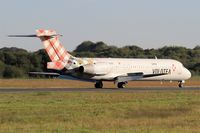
[39,33]
[34,35]
[22,35]
[46,33]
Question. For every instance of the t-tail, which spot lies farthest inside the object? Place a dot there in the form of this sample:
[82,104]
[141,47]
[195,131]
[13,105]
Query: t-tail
[57,53]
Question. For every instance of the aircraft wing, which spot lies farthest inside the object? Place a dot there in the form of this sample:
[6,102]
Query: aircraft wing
[44,73]
[135,76]
[67,75]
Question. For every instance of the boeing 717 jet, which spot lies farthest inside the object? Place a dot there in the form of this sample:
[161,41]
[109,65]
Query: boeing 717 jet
[118,70]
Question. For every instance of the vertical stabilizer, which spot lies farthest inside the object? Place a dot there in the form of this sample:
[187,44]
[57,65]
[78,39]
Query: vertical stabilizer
[52,45]
[60,58]
[57,53]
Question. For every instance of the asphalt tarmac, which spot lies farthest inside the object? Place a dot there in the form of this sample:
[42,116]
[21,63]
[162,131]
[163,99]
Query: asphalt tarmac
[142,89]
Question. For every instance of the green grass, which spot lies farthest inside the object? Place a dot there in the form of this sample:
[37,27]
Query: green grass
[56,112]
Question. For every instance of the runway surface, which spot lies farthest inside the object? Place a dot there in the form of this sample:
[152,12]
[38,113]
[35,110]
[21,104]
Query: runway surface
[3,90]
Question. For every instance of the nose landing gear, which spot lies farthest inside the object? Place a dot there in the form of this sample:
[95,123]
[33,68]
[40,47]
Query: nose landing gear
[180,83]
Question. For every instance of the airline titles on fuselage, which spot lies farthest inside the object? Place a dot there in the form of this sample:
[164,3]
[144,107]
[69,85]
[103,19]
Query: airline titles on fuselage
[161,71]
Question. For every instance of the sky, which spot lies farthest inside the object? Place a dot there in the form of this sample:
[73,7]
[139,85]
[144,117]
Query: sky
[145,23]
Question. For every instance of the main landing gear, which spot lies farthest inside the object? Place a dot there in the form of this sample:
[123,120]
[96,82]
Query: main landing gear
[180,83]
[121,84]
[98,84]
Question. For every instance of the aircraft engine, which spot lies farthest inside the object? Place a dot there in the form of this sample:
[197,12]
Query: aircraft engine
[96,69]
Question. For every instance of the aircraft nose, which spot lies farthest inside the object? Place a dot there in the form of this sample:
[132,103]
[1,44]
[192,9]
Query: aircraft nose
[187,74]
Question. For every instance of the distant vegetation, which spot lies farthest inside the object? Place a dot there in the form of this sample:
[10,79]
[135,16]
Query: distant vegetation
[16,63]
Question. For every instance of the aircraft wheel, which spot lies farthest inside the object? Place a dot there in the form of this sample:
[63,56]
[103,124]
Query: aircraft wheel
[98,84]
[121,85]
[180,85]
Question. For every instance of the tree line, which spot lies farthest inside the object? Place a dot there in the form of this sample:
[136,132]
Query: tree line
[16,63]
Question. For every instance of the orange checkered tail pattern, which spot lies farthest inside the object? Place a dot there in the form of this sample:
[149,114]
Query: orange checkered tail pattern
[57,53]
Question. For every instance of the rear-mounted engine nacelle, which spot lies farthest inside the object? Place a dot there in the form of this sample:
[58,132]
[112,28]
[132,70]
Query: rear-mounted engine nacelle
[95,69]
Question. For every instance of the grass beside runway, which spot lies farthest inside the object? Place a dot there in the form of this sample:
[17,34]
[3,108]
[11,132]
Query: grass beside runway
[163,112]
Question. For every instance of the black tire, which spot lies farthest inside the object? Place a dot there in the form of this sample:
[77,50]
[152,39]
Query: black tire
[98,84]
[180,85]
[121,85]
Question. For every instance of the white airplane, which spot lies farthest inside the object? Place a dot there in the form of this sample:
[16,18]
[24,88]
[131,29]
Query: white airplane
[118,70]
